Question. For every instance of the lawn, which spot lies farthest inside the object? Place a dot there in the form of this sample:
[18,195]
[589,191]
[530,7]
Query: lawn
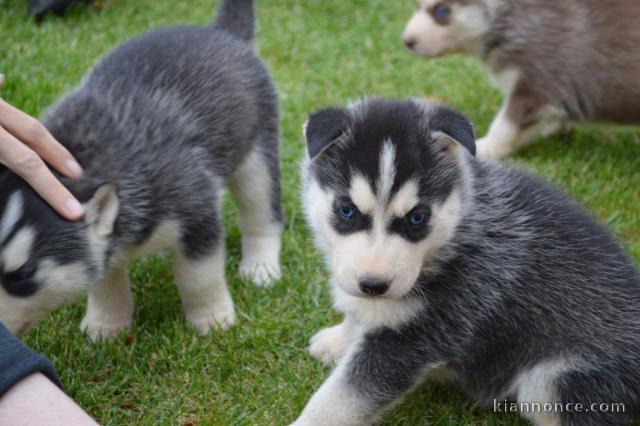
[259,373]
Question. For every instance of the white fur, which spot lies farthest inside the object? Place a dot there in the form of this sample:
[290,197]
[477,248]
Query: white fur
[261,235]
[11,214]
[404,201]
[387,174]
[102,211]
[505,136]
[203,290]
[504,80]
[462,34]
[376,312]
[110,306]
[331,344]
[63,284]
[535,385]
[379,253]
[335,403]
[362,195]
[166,235]
[16,252]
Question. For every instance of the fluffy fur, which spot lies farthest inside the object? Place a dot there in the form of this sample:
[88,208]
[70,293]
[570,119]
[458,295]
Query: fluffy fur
[553,61]
[161,125]
[510,288]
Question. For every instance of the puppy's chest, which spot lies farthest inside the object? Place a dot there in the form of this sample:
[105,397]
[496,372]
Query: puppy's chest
[165,236]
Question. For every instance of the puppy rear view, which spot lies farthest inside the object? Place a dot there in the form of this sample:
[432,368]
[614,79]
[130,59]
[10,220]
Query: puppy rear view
[161,125]
[442,263]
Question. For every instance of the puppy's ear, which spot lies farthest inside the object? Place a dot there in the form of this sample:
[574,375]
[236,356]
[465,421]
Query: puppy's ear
[324,128]
[102,210]
[101,203]
[450,129]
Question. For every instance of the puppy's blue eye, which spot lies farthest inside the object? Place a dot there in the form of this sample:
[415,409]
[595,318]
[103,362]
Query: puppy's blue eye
[347,212]
[20,275]
[441,12]
[416,219]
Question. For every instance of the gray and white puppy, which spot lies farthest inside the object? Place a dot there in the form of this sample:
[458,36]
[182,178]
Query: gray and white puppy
[441,263]
[161,125]
[552,60]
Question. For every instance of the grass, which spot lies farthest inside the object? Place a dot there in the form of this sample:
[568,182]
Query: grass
[258,373]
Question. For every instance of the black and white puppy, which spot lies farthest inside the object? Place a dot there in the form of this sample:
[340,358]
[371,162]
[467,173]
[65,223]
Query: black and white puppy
[443,263]
[552,60]
[161,125]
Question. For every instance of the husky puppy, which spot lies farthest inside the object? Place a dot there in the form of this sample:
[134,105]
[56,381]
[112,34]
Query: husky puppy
[552,60]
[441,263]
[161,125]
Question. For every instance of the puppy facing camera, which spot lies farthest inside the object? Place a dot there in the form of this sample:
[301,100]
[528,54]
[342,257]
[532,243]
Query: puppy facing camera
[158,152]
[553,61]
[445,265]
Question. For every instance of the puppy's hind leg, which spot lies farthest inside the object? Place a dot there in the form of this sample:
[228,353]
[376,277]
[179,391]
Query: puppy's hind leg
[523,117]
[200,277]
[256,190]
[110,306]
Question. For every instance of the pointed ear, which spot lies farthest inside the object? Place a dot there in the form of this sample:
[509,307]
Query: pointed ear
[324,128]
[450,128]
[102,210]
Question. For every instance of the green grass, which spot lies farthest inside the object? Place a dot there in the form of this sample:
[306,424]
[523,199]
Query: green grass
[258,373]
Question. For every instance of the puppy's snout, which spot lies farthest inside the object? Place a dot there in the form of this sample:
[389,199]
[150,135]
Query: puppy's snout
[410,42]
[372,286]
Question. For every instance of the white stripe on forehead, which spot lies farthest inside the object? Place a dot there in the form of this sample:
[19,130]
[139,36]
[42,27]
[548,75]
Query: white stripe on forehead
[11,214]
[387,173]
[362,195]
[404,200]
[17,251]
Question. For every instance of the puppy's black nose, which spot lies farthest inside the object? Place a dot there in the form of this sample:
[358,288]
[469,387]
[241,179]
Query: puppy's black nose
[410,42]
[373,286]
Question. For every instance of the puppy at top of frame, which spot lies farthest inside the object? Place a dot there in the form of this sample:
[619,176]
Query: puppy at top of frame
[554,61]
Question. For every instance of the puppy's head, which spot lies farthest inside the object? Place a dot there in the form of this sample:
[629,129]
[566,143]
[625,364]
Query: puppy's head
[45,261]
[385,186]
[438,27]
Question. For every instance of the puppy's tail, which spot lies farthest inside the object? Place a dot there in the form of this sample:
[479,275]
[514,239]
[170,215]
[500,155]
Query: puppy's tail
[237,18]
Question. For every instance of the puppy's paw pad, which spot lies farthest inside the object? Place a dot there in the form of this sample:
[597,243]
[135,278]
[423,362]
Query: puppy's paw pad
[260,273]
[102,330]
[219,320]
[329,345]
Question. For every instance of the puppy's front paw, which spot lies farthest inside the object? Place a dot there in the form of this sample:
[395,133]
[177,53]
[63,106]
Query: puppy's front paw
[260,273]
[98,329]
[203,321]
[329,345]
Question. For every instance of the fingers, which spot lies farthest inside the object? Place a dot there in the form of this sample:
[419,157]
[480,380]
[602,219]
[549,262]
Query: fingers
[27,164]
[37,137]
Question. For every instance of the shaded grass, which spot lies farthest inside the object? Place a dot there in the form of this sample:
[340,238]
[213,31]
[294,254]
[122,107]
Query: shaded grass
[320,53]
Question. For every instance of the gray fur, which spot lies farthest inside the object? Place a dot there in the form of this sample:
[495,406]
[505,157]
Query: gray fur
[580,56]
[528,277]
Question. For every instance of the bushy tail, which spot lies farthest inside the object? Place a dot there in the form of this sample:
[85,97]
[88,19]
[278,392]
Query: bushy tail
[236,17]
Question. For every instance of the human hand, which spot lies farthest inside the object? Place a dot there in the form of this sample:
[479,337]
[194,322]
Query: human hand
[25,145]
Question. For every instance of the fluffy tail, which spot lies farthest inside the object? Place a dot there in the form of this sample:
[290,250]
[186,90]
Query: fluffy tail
[236,17]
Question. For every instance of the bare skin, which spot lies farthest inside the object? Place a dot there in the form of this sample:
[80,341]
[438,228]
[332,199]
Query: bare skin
[25,146]
[37,401]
